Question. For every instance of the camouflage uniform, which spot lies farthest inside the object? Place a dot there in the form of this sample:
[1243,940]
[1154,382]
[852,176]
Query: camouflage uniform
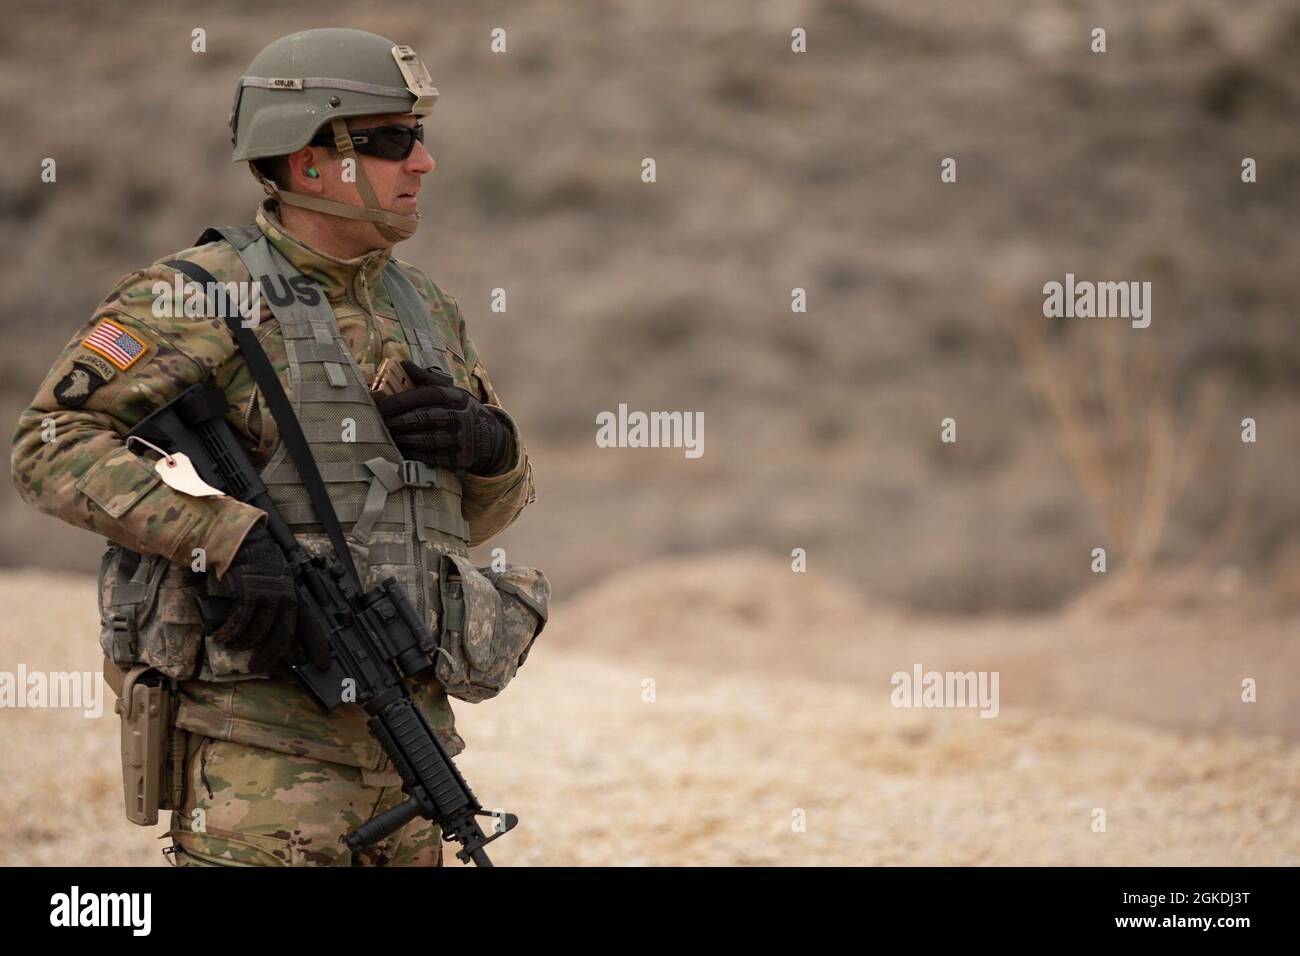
[259,807]
[277,778]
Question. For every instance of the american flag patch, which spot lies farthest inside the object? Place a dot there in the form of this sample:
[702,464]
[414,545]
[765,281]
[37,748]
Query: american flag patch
[115,343]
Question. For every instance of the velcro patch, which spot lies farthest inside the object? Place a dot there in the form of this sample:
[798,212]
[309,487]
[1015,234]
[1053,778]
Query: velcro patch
[116,344]
[74,388]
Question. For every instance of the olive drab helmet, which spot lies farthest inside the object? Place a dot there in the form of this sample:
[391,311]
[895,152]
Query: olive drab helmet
[305,81]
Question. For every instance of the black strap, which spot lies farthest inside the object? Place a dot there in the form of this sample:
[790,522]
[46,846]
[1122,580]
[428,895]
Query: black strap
[130,561]
[282,411]
[209,235]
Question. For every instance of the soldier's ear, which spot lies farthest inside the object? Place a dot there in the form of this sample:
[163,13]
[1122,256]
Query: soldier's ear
[302,165]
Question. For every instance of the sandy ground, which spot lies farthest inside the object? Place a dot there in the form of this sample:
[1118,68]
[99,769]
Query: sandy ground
[735,761]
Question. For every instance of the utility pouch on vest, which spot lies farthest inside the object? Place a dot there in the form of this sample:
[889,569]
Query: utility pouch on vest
[488,624]
[152,750]
[149,612]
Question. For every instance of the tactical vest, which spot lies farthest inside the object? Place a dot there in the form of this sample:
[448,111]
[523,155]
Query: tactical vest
[398,516]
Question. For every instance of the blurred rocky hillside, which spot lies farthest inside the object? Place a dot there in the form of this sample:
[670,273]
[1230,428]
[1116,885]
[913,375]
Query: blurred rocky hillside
[775,171]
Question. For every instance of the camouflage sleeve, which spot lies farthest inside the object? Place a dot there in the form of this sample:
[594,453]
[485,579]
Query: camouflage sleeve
[69,457]
[492,503]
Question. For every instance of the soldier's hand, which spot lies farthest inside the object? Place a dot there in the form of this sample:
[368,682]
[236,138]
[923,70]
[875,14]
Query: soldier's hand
[263,604]
[439,424]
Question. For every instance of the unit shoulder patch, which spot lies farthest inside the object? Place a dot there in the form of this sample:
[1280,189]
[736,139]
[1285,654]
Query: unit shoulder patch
[74,388]
[115,344]
[103,366]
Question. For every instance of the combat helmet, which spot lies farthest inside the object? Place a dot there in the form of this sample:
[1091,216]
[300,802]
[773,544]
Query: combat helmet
[317,78]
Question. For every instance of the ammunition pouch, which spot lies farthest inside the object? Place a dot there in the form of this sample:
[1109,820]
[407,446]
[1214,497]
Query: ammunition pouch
[488,623]
[149,613]
[153,750]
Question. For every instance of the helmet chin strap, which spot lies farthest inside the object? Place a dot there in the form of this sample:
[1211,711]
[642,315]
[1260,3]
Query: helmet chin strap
[388,224]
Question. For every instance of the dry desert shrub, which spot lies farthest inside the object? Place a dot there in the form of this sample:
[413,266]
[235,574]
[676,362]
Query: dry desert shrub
[1113,413]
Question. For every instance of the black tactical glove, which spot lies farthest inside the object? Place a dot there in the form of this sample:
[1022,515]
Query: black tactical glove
[255,604]
[439,424]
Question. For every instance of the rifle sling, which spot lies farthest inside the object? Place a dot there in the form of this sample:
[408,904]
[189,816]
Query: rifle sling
[282,411]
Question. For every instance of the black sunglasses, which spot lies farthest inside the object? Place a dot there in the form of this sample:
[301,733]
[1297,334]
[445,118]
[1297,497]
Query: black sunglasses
[385,142]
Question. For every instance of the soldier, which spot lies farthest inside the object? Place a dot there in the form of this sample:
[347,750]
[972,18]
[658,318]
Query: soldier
[329,121]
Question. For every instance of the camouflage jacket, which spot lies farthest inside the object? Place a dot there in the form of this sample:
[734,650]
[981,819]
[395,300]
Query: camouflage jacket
[69,458]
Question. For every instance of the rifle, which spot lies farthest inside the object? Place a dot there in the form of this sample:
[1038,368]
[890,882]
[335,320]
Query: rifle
[375,637]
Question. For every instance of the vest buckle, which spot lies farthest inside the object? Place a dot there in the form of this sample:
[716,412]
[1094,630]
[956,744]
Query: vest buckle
[415,474]
[126,645]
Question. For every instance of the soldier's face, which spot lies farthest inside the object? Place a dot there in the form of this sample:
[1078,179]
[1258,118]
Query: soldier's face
[396,182]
